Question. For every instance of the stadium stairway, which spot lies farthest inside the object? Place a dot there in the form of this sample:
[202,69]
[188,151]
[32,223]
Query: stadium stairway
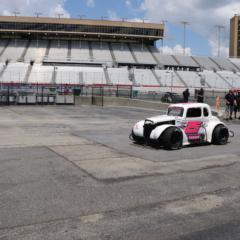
[28,73]
[157,77]
[48,48]
[112,53]
[154,57]
[22,57]
[132,52]
[230,86]
[208,85]
[176,60]
[3,70]
[69,53]
[54,76]
[5,47]
[195,61]
[106,74]
[90,50]
[180,78]
[220,67]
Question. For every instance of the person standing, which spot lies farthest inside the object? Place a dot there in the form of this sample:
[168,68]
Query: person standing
[200,96]
[186,95]
[237,105]
[230,99]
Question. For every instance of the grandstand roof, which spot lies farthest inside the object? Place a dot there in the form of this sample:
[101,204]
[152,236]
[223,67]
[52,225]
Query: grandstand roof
[81,26]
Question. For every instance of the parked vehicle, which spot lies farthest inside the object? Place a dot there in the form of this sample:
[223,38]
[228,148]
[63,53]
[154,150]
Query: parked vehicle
[169,97]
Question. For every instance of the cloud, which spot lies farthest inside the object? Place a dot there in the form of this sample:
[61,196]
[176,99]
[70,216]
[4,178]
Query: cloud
[128,3]
[202,14]
[29,7]
[91,3]
[177,50]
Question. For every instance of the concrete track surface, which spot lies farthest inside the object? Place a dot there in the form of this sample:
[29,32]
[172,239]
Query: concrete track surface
[71,173]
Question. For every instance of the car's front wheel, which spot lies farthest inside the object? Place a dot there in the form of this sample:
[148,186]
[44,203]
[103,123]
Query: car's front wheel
[172,138]
[220,135]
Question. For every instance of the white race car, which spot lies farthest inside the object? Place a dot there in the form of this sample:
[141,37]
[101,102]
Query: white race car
[184,124]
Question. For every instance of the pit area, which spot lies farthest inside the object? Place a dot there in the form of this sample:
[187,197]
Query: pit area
[70,172]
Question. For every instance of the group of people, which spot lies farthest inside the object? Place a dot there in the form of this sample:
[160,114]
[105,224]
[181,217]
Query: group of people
[232,105]
[200,95]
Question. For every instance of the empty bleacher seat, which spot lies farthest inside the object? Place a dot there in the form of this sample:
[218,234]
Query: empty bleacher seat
[206,63]
[122,53]
[225,64]
[15,72]
[80,75]
[41,74]
[36,51]
[145,77]
[14,50]
[142,54]
[101,52]
[214,80]
[119,76]
[186,61]
[192,79]
[58,50]
[232,78]
[80,51]
[169,79]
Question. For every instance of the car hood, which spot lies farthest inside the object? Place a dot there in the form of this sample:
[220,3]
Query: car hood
[161,118]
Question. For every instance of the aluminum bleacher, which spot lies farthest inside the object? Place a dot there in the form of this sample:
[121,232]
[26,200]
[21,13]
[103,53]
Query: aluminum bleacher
[14,50]
[192,79]
[145,77]
[80,51]
[101,52]
[119,76]
[186,61]
[122,53]
[36,51]
[232,78]
[214,80]
[15,73]
[206,63]
[58,50]
[225,64]
[41,74]
[165,60]
[142,54]
[169,78]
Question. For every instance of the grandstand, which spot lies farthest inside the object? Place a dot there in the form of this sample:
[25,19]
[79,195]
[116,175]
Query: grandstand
[99,52]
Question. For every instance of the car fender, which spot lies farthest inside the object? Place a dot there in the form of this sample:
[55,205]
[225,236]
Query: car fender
[210,128]
[157,132]
[138,129]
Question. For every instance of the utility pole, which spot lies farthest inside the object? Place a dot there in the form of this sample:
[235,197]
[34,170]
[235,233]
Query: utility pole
[38,14]
[81,16]
[59,15]
[219,28]
[184,23]
[16,13]
[164,24]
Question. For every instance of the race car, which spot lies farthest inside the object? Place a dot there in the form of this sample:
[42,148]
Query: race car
[183,124]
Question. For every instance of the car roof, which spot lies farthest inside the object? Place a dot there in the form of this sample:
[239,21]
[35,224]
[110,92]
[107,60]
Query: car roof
[190,105]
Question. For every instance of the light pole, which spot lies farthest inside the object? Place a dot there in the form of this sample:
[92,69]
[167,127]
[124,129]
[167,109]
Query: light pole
[37,14]
[164,24]
[184,23]
[171,74]
[59,15]
[219,28]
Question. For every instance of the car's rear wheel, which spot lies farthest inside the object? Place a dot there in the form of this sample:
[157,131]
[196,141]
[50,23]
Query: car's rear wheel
[220,135]
[172,138]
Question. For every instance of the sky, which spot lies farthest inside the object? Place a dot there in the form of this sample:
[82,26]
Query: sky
[202,15]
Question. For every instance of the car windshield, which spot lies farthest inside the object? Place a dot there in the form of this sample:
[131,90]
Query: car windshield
[175,111]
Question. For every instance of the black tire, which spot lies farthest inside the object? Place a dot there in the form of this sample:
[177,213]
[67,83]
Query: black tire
[220,135]
[172,138]
[137,139]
